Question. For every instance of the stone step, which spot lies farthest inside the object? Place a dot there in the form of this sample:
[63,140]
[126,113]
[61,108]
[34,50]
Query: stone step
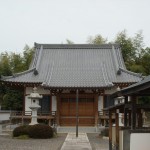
[64,129]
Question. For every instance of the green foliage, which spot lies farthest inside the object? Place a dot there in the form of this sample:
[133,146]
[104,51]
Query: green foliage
[144,100]
[40,131]
[145,62]
[14,63]
[12,99]
[5,68]
[21,130]
[27,56]
[9,64]
[98,39]
[127,47]
[69,41]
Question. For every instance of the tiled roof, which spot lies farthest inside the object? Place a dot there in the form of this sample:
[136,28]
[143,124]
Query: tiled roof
[76,65]
[146,80]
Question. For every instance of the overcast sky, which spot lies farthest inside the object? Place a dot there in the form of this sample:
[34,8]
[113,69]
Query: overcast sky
[53,21]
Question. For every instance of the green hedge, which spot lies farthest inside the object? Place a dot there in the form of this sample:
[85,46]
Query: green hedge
[21,130]
[38,131]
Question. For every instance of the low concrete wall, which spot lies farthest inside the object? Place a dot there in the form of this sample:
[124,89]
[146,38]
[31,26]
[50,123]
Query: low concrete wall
[140,141]
[4,115]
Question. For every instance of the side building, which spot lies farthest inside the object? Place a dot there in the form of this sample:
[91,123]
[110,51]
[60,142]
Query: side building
[61,71]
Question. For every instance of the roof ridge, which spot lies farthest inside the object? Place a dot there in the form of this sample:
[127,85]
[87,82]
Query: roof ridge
[105,75]
[75,46]
[39,58]
[130,72]
[17,74]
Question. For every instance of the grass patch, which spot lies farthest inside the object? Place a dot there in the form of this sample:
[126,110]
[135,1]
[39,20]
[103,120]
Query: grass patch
[22,137]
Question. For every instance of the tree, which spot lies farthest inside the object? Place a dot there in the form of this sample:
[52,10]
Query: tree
[27,56]
[69,41]
[138,43]
[127,47]
[16,63]
[12,99]
[145,62]
[9,64]
[5,68]
[98,39]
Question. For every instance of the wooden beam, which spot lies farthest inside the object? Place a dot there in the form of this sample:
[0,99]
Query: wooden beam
[96,109]
[77,111]
[140,119]
[133,113]
[130,118]
[58,109]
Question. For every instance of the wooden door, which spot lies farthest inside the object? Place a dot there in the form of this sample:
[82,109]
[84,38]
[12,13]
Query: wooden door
[85,111]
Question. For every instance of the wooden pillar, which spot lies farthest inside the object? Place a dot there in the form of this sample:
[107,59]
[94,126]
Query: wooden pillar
[140,119]
[133,113]
[125,112]
[77,111]
[58,110]
[110,130]
[117,130]
[96,109]
[129,118]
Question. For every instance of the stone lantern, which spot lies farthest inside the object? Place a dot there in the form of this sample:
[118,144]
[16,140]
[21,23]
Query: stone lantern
[120,100]
[34,105]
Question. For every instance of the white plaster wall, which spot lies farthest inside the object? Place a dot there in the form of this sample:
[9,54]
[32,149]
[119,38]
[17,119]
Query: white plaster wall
[27,103]
[54,103]
[140,141]
[39,89]
[100,103]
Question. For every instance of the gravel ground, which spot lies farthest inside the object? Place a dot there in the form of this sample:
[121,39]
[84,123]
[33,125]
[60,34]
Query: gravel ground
[9,143]
[97,142]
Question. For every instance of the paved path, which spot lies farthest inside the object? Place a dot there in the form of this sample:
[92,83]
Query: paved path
[97,142]
[76,143]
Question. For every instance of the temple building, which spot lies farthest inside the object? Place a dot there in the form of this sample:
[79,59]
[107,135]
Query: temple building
[63,71]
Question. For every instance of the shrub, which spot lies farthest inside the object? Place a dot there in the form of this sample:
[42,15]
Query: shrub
[22,130]
[40,131]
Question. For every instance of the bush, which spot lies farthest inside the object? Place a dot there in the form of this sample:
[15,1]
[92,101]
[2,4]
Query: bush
[22,130]
[40,131]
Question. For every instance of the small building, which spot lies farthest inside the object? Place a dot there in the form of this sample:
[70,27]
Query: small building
[60,70]
[135,133]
